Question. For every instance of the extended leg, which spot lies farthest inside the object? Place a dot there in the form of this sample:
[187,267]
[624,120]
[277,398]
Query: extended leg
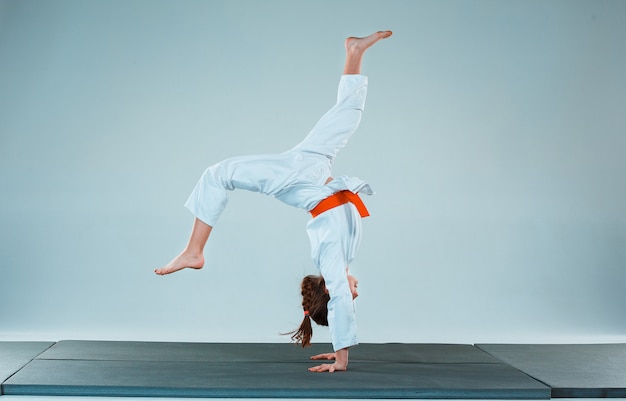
[334,129]
[193,254]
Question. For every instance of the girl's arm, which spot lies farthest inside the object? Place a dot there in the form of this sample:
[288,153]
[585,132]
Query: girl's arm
[340,357]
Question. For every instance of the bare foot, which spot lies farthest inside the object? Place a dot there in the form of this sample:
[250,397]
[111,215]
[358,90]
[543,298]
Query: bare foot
[355,48]
[359,45]
[182,261]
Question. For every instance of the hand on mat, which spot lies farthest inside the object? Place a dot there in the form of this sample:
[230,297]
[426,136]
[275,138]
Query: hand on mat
[330,356]
[341,361]
[327,367]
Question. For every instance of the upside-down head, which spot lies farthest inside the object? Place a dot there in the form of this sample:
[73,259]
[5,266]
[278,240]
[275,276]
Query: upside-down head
[315,304]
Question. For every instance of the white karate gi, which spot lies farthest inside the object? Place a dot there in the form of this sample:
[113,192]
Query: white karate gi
[297,177]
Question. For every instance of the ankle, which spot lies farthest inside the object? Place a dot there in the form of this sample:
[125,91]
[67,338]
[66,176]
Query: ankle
[194,253]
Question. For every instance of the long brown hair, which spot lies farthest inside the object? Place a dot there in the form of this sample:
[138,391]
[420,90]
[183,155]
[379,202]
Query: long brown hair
[314,304]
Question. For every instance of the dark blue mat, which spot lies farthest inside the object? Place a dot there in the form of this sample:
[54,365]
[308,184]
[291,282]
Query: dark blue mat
[269,370]
[571,370]
[275,380]
[14,355]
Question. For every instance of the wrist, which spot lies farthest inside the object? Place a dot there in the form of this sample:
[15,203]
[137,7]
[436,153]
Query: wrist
[341,358]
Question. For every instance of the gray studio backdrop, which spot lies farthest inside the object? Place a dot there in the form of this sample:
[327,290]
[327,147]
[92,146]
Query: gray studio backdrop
[494,137]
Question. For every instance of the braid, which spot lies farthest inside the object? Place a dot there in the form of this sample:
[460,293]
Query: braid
[314,303]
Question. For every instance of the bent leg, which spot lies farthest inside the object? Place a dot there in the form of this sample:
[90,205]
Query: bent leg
[266,174]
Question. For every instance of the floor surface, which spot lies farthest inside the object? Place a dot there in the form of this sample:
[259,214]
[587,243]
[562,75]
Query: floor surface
[269,370]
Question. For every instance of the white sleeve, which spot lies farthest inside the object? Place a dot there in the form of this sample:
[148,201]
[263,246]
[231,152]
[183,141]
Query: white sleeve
[341,311]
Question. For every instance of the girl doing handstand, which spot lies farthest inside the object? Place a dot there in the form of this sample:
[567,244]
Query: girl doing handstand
[301,177]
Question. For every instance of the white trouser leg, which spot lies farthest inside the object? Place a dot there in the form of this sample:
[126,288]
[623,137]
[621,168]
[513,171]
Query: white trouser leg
[260,173]
[333,130]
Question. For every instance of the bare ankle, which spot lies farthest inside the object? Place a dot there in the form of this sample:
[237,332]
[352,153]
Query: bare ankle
[192,253]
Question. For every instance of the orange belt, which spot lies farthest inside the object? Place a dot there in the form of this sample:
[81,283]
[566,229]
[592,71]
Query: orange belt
[338,199]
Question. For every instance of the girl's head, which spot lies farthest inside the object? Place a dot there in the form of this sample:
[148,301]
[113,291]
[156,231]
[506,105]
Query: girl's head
[314,303]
